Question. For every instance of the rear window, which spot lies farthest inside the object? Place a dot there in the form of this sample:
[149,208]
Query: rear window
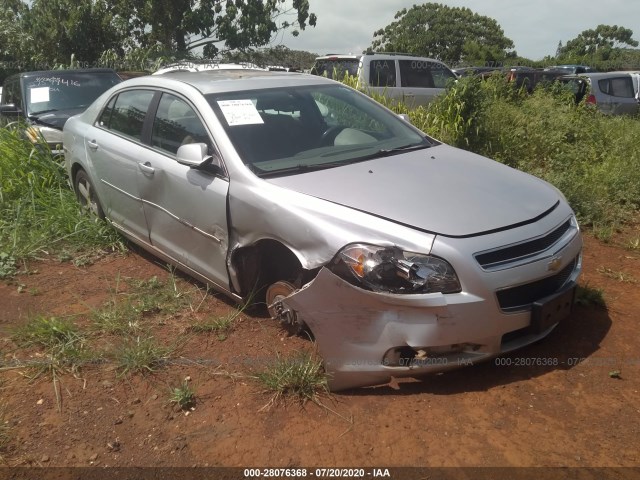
[336,67]
[617,87]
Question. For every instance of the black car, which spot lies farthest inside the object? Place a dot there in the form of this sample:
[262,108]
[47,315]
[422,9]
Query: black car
[39,103]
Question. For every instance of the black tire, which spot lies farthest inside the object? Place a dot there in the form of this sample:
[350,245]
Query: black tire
[86,194]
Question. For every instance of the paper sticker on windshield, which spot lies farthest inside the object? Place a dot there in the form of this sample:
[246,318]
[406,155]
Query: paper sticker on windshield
[240,112]
[39,95]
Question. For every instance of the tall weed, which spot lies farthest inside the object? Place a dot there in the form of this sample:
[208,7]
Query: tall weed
[38,210]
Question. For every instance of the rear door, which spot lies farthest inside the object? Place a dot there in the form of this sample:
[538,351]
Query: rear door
[185,208]
[618,96]
[114,146]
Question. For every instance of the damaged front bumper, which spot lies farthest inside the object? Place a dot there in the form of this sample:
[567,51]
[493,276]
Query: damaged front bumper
[366,338]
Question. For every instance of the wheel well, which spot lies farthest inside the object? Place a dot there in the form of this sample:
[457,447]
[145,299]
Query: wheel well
[75,168]
[264,263]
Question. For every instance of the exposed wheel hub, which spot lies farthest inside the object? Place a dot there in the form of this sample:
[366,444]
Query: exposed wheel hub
[278,309]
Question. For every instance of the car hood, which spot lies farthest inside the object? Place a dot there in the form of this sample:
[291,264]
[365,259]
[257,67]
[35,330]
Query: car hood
[57,118]
[440,189]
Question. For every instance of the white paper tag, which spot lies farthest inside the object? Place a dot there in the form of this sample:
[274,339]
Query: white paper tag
[39,95]
[240,112]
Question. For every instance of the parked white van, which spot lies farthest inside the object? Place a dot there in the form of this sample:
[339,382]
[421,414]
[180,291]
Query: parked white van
[410,79]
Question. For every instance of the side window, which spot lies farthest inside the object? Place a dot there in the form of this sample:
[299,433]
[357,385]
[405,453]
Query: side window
[441,75]
[105,117]
[416,73]
[11,93]
[424,74]
[176,124]
[382,73]
[129,111]
[618,87]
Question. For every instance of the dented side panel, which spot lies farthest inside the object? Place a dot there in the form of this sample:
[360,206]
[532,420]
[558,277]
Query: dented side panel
[187,216]
[313,229]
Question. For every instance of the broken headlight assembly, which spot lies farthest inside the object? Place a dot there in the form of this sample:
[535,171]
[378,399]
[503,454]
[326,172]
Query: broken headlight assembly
[392,270]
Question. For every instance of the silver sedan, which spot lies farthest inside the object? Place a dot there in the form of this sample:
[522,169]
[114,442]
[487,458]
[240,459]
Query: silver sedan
[401,255]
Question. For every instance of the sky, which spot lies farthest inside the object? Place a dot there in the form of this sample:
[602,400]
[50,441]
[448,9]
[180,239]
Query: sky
[535,26]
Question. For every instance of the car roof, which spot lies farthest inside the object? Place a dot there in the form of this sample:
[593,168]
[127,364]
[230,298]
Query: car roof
[597,75]
[346,56]
[213,81]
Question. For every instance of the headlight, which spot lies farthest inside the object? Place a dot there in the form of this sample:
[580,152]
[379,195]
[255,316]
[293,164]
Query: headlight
[389,269]
[574,222]
[38,133]
[34,134]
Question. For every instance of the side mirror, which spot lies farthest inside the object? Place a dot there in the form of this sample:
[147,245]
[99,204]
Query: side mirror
[195,155]
[10,110]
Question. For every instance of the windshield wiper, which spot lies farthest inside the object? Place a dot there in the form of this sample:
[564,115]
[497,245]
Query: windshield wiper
[300,168]
[403,148]
[36,115]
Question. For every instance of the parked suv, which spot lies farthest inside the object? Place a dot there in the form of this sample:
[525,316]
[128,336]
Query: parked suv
[614,93]
[410,79]
[39,103]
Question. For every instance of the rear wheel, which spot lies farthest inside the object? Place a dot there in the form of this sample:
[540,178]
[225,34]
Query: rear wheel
[86,194]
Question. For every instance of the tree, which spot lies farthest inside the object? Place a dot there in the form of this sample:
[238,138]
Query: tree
[279,55]
[450,34]
[13,37]
[59,29]
[183,25]
[599,42]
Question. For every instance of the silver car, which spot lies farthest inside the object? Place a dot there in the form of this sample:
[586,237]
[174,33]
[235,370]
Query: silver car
[613,93]
[401,255]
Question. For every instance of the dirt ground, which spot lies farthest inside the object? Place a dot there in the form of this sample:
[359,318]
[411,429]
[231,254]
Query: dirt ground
[583,411]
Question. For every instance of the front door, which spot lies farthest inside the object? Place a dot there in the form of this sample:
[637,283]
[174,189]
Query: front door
[185,208]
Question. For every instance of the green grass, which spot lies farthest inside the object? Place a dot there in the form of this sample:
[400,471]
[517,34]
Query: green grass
[221,326]
[125,312]
[5,428]
[60,338]
[183,396]
[39,213]
[7,265]
[65,349]
[590,297]
[141,355]
[299,377]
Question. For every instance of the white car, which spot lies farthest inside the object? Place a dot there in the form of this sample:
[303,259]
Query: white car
[400,254]
[202,67]
[410,79]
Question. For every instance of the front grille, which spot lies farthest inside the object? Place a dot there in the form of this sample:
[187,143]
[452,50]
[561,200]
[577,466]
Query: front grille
[507,254]
[522,296]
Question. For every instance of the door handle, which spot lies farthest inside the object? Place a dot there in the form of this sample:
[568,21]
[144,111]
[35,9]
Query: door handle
[92,144]
[146,168]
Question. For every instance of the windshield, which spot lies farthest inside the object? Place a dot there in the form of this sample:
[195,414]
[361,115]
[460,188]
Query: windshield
[296,129]
[62,90]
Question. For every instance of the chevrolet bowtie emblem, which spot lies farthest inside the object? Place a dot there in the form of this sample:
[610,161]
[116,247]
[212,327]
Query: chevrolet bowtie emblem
[554,264]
